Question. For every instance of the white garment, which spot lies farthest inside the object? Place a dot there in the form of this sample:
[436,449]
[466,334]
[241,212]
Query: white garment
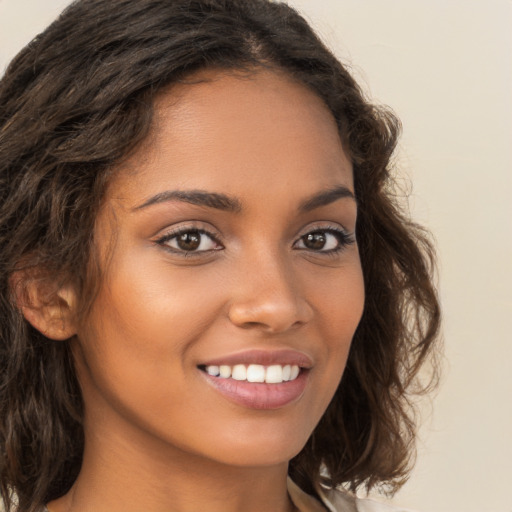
[336,501]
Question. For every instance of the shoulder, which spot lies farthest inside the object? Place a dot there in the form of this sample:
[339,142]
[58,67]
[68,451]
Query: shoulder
[339,501]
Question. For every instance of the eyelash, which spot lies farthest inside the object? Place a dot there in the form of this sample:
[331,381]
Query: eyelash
[344,239]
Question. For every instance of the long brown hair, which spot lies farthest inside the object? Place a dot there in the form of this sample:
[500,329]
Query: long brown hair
[74,103]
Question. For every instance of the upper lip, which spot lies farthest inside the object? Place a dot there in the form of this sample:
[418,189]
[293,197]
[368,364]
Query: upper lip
[263,357]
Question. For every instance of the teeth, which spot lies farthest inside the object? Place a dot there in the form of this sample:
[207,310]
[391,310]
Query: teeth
[255,373]
[224,371]
[295,372]
[213,370]
[239,372]
[275,374]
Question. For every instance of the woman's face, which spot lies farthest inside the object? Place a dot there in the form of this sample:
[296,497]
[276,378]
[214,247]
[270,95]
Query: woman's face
[230,254]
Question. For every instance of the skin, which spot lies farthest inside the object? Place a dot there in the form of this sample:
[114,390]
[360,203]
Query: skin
[159,437]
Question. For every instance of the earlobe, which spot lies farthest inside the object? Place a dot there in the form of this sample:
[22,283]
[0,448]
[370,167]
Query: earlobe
[51,311]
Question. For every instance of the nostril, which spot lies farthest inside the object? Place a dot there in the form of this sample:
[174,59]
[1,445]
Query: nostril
[252,325]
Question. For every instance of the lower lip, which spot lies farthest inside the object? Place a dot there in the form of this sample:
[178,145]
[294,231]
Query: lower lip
[260,395]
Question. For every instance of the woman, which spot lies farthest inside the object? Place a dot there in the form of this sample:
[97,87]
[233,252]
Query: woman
[210,300]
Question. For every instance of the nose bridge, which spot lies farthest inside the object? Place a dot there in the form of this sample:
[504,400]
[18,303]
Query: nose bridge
[268,293]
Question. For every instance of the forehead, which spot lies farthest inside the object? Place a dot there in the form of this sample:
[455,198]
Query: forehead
[228,132]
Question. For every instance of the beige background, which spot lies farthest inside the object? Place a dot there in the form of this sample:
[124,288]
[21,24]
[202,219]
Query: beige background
[445,66]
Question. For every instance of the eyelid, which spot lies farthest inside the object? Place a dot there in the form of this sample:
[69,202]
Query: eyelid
[345,237]
[325,226]
[176,231]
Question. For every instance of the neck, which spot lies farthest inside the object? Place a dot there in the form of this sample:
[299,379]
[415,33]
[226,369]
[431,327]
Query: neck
[121,473]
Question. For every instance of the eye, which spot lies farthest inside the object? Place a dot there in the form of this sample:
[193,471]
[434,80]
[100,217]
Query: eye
[324,240]
[190,240]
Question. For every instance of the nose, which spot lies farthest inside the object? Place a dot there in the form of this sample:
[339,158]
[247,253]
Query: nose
[268,297]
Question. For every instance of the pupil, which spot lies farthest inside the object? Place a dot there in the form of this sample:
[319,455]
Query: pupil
[189,241]
[315,240]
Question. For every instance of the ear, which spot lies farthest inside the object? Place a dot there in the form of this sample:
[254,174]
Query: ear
[47,307]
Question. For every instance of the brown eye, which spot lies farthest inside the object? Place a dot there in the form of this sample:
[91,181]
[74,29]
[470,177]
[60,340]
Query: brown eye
[191,240]
[324,240]
[315,241]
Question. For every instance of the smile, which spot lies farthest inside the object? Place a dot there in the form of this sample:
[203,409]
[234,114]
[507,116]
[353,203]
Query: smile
[274,374]
[259,379]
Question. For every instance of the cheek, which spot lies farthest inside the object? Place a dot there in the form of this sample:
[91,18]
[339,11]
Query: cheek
[135,356]
[339,304]
[142,329]
[150,313]
[158,303]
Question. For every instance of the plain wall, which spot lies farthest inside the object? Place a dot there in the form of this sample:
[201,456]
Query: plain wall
[445,67]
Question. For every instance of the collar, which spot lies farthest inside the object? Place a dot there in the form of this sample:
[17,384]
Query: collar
[331,500]
[304,502]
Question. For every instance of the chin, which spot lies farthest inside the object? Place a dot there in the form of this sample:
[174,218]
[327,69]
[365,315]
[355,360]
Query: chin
[265,445]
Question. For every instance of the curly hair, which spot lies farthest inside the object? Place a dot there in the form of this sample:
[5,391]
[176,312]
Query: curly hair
[78,100]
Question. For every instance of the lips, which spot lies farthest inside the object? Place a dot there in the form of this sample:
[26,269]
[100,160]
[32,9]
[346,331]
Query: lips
[263,357]
[259,379]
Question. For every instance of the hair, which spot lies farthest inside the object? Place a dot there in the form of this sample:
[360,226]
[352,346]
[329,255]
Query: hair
[77,101]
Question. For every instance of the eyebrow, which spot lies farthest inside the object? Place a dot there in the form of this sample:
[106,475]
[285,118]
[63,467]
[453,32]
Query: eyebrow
[233,204]
[326,197]
[197,197]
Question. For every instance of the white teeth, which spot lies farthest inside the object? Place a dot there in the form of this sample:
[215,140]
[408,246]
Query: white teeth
[256,373]
[239,372]
[213,370]
[274,374]
[225,371]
